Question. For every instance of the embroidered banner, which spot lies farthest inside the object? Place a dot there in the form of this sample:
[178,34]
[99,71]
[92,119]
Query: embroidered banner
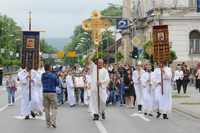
[161,43]
[30,50]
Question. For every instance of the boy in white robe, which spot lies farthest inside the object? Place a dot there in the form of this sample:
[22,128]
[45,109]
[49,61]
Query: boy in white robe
[70,89]
[138,86]
[102,82]
[148,79]
[87,89]
[164,101]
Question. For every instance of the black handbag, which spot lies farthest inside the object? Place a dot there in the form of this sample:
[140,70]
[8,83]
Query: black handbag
[126,87]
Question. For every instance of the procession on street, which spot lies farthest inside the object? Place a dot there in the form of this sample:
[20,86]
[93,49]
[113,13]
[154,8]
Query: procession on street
[129,67]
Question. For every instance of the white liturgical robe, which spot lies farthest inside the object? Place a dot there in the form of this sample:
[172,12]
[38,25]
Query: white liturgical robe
[70,90]
[138,87]
[164,101]
[40,88]
[104,79]
[149,92]
[26,105]
[87,90]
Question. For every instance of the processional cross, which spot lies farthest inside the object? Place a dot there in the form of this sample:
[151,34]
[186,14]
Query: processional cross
[96,24]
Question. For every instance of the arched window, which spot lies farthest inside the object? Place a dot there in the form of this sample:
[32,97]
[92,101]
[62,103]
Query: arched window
[195,42]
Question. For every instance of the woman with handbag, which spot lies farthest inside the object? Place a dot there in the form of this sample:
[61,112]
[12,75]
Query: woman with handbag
[129,88]
[186,74]
[11,88]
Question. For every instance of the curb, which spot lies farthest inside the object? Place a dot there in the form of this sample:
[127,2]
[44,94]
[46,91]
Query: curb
[185,110]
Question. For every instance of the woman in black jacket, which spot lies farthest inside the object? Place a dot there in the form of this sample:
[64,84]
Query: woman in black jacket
[129,88]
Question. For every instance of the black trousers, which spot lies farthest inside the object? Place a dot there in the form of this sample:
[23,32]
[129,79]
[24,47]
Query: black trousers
[179,83]
[1,78]
[185,86]
[198,84]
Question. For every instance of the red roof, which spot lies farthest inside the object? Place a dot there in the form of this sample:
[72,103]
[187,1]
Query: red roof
[111,48]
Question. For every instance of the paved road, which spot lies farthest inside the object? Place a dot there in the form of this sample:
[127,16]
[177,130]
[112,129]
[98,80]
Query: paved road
[78,120]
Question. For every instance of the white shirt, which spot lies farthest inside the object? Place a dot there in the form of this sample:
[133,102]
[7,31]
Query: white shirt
[178,75]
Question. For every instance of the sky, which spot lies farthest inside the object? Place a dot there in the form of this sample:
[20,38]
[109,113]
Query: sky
[57,18]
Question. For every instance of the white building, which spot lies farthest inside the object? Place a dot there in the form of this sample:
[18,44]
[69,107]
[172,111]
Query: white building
[184,21]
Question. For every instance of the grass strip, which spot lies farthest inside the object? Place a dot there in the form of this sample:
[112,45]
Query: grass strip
[179,96]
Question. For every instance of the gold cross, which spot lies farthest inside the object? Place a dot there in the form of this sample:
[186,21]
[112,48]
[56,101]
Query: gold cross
[96,24]
[29,55]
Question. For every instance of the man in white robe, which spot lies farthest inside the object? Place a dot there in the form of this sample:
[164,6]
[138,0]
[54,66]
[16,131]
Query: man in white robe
[138,86]
[70,89]
[148,79]
[40,71]
[164,102]
[27,107]
[103,82]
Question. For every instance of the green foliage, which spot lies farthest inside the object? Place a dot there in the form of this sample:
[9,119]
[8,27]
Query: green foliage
[146,56]
[9,62]
[9,42]
[112,11]
[48,49]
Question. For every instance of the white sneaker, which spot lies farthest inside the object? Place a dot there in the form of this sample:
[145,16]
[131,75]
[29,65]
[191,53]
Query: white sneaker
[13,104]
[82,104]
[9,104]
[139,112]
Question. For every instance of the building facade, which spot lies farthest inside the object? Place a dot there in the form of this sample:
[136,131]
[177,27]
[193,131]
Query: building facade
[183,21]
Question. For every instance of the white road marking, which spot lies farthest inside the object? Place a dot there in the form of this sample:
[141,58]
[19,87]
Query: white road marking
[141,116]
[6,106]
[100,126]
[36,117]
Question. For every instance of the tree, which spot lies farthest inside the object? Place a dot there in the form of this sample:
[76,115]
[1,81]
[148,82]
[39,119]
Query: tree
[9,43]
[146,56]
[112,11]
[48,49]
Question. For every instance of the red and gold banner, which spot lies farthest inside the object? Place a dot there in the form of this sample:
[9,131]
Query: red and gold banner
[161,43]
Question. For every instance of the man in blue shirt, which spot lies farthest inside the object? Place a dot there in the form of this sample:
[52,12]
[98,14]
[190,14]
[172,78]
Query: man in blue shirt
[56,68]
[49,82]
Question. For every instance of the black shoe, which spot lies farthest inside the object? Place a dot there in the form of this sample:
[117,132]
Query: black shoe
[150,115]
[145,113]
[165,116]
[54,126]
[32,114]
[96,117]
[26,118]
[103,116]
[158,114]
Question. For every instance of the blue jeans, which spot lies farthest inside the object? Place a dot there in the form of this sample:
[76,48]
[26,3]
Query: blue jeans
[113,96]
[58,96]
[122,98]
[11,93]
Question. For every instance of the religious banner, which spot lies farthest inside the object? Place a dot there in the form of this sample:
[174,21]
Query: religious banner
[161,43]
[30,50]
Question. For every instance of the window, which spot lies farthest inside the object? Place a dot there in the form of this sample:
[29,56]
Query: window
[195,42]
